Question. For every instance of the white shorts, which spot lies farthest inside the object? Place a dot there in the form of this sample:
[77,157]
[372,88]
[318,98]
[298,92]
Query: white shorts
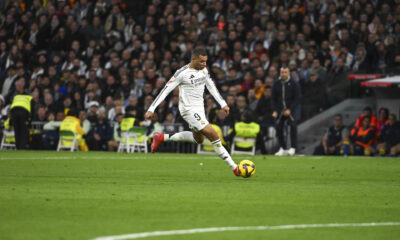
[196,119]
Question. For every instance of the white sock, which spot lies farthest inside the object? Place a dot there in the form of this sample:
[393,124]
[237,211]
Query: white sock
[223,154]
[185,136]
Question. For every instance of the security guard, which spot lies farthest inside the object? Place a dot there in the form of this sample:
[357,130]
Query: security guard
[21,111]
[73,124]
[247,129]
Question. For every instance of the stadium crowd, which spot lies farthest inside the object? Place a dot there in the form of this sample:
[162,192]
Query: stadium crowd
[103,58]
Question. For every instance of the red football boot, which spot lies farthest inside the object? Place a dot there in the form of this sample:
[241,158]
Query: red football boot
[157,140]
[236,171]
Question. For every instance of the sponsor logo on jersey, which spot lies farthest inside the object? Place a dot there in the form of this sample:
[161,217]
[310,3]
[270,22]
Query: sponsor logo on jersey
[191,76]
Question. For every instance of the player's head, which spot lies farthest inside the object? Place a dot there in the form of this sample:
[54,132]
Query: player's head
[199,58]
[285,72]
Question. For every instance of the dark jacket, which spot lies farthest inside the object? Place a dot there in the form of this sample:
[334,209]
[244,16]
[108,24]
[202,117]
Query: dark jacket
[285,95]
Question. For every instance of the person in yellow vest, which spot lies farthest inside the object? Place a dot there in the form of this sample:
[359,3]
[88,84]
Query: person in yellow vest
[247,128]
[21,115]
[73,124]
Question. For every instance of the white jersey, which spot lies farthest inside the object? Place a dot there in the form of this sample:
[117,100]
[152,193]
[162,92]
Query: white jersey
[191,84]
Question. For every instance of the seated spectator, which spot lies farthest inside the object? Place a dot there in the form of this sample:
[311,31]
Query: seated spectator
[92,112]
[264,108]
[113,144]
[258,88]
[101,132]
[241,106]
[363,138]
[336,139]
[85,123]
[50,134]
[389,137]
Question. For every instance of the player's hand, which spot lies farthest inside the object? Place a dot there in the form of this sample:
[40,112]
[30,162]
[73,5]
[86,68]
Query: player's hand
[275,114]
[226,110]
[287,112]
[148,115]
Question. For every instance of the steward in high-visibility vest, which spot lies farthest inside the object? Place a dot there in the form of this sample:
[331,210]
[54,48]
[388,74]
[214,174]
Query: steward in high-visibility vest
[247,129]
[363,138]
[21,111]
[73,124]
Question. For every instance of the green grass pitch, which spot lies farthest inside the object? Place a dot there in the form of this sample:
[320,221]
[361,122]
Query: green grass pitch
[60,196]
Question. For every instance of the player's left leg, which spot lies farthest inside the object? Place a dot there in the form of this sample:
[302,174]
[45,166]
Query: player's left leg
[210,133]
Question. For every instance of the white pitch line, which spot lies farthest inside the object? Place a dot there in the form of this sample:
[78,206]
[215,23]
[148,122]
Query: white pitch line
[98,157]
[245,228]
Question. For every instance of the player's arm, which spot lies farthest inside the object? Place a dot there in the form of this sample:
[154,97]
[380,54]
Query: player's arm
[171,85]
[217,96]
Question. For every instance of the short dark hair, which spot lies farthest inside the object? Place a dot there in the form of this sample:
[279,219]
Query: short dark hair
[339,115]
[199,51]
[285,67]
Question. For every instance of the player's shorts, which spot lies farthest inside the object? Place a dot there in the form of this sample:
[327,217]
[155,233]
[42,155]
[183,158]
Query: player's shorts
[196,119]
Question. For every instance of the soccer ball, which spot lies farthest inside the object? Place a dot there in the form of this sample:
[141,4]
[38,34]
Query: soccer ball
[247,168]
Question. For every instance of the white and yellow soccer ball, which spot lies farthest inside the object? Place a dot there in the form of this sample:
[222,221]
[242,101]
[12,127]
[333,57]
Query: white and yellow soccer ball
[247,168]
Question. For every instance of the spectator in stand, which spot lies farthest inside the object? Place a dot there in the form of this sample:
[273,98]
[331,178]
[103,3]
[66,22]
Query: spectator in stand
[337,84]
[92,111]
[336,140]
[113,144]
[101,132]
[363,138]
[389,139]
[313,93]
[263,110]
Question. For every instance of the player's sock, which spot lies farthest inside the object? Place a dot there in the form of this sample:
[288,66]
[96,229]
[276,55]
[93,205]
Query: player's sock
[185,136]
[223,154]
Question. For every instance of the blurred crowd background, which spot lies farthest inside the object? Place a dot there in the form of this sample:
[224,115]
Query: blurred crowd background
[102,57]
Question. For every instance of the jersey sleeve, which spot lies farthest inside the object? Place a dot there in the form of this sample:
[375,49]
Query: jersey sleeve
[171,85]
[214,92]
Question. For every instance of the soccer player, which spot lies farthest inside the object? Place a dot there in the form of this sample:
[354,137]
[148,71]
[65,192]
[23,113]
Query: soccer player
[191,80]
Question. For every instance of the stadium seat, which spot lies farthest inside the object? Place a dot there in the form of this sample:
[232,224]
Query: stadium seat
[67,140]
[236,139]
[8,140]
[205,148]
[134,139]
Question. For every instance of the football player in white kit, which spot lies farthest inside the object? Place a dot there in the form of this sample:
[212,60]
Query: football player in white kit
[191,80]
